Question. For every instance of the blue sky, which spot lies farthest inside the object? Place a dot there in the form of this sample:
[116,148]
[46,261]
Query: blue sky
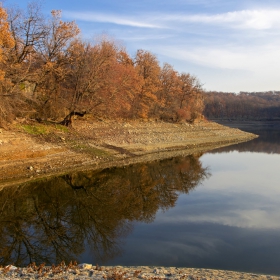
[228,45]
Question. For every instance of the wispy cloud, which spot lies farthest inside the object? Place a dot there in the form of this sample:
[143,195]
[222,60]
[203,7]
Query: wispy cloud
[254,59]
[250,68]
[245,19]
[262,19]
[109,18]
[204,42]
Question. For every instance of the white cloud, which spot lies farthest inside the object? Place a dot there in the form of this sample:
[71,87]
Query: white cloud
[249,58]
[245,19]
[108,18]
[262,19]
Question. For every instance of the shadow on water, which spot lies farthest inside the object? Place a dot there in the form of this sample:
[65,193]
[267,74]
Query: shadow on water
[58,219]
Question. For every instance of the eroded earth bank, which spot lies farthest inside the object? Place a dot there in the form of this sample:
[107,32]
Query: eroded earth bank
[31,151]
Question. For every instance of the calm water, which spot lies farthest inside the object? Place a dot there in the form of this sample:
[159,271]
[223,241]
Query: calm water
[218,210]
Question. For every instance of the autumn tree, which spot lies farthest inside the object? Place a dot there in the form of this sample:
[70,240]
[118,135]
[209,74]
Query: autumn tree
[6,42]
[167,94]
[179,97]
[129,84]
[189,98]
[101,80]
[53,62]
[36,64]
[148,69]
[80,83]
[86,84]
[125,85]
[28,31]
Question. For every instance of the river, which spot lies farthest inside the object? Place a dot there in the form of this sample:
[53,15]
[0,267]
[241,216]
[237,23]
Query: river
[217,210]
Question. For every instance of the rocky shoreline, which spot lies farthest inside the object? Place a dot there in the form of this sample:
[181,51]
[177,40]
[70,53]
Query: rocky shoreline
[97,145]
[87,271]
[103,144]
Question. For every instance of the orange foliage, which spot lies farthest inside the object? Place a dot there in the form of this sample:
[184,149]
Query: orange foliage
[61,75]
[6,40]
[148,70]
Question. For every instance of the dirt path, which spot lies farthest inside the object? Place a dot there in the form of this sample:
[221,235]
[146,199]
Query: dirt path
[103,144]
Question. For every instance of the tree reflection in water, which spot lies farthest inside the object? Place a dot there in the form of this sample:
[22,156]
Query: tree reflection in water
[57,219]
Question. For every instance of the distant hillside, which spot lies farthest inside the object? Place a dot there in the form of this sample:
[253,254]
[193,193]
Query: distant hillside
[242,106]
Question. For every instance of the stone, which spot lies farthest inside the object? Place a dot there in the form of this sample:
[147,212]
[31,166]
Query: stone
[11,267]
[85,266]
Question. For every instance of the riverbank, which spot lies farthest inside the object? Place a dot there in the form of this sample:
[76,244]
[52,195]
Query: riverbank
[30,150]
[87,271]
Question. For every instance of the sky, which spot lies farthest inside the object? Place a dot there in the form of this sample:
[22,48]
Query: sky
[229,45]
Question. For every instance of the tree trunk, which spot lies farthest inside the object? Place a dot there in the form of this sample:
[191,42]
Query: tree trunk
[67,121]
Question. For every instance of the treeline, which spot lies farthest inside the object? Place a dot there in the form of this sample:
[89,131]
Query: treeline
[242,106]
[49,73]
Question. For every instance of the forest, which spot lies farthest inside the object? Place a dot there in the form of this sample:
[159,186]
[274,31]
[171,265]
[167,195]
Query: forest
[48,72]
[242,106]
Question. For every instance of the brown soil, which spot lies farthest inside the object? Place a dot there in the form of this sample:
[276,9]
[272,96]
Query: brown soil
[100,144]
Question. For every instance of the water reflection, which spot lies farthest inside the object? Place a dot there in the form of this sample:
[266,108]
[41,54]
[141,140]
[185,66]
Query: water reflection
[267,142]
[231,221]
[57,219]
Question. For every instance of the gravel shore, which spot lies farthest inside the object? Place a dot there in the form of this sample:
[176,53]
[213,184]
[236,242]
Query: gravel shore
[87,271]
